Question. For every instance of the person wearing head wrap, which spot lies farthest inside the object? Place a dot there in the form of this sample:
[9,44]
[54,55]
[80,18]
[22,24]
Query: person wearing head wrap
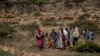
[39,38]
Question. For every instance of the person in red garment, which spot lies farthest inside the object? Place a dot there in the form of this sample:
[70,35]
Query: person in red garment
[62,39]
[39,38]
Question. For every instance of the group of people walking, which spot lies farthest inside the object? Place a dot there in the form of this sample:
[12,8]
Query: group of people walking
[63,38]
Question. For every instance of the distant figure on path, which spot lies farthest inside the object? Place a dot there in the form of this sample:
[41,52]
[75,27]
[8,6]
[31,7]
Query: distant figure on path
[91,35]
[86,34]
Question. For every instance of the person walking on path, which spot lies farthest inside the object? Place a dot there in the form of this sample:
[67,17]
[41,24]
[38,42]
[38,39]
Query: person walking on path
[62,39]
[39,38]
[75,35]
[54,37]
[68,36]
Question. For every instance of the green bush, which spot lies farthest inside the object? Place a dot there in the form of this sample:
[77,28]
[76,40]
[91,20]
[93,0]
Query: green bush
[6,30]
[87,46]
[3,53]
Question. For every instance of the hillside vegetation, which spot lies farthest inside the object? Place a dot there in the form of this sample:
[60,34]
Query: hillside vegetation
[20,18]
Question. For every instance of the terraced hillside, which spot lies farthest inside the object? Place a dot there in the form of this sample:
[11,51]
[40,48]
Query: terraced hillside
[19,19]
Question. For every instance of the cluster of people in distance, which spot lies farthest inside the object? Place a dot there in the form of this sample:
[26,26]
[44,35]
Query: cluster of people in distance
[63,38]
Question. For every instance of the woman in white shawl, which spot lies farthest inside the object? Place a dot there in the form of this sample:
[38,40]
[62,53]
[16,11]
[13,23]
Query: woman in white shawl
[62,38]
[75,35]
[65,33]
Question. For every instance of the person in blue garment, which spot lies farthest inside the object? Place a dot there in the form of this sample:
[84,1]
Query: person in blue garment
[54,37]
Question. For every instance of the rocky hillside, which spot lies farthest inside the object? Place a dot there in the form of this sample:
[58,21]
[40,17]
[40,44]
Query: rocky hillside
[59,8]
[19,19]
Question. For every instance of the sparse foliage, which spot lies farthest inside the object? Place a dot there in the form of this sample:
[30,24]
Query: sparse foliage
[87,46]
[6,30]
[3,53]
[29,27]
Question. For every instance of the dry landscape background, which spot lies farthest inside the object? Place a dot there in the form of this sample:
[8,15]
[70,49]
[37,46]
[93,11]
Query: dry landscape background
[25,15]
